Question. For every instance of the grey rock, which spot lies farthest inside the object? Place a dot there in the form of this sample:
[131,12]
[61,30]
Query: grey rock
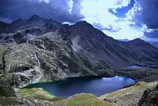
[149,98]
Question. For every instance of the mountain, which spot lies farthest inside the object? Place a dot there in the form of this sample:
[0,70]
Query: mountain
[35,22]
[38,49]
[123,40]
[3,27]
[98,47]
[21,30]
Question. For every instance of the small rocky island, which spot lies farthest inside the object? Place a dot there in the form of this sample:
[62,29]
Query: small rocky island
[39,50]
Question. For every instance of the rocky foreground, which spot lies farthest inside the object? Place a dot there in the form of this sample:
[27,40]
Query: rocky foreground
[41,50]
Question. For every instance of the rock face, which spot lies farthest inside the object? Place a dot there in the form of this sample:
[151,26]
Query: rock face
[5,88]
[38,49]
[43,60]
[149,98]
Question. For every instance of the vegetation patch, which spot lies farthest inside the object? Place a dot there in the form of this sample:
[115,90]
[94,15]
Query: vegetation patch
[34,93]
[85,100]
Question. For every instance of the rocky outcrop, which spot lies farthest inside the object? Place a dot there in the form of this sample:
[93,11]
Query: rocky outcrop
[129,96]
[6,90]
[149,98]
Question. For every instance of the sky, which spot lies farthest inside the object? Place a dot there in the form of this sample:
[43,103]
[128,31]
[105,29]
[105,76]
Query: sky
[120,19]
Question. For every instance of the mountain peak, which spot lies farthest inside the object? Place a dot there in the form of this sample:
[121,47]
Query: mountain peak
[17,21]
[83,23]
[138,39]
[138,42]
[3,23]
[35,17]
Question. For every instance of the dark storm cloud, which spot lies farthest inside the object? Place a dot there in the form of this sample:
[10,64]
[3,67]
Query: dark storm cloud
[147,13]
[55,9]
[152,34]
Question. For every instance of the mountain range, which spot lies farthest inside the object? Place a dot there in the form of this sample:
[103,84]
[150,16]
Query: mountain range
[39,49]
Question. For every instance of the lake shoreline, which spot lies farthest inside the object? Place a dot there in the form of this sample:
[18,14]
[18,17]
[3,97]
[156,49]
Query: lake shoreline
[94,85]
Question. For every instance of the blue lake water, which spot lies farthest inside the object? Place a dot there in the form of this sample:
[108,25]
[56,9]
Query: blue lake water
[96,86]
[135,67]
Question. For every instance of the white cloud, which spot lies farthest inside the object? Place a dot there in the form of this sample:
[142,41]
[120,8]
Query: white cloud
[97,12]
[45,1]
[134,13]
[70,3]
[69,23]
[127,32]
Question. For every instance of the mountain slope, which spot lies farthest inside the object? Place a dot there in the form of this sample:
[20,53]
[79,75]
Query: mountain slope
[97,46]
